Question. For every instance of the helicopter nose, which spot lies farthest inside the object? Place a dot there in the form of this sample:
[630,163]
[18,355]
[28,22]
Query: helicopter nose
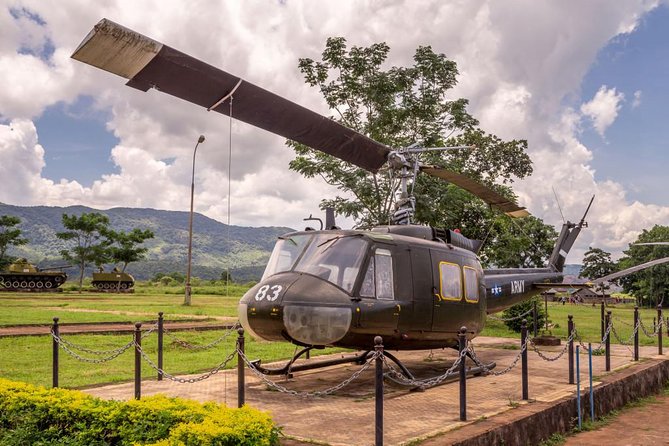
[308,310]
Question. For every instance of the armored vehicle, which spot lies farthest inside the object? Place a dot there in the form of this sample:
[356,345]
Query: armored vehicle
[22,275]
[112,280]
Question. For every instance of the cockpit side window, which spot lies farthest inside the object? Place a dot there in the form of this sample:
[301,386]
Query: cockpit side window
[378,281]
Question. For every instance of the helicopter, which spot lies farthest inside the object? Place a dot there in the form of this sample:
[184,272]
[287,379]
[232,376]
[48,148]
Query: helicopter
[414,285]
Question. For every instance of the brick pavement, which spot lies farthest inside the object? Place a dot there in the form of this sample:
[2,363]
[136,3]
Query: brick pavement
[347,417]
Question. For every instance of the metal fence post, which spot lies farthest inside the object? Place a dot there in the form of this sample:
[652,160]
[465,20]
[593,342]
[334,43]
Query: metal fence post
[523,341]
[570,331]
[636,333]
[578,389]
[161,329]
[138,361]
[592,396]
[378,348]
[607,345]
[535,317]
[603,322]
[240,368]
[462,338]
[56,333]
[658,329]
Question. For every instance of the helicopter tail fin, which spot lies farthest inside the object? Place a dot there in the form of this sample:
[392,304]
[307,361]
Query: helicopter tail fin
[566,240]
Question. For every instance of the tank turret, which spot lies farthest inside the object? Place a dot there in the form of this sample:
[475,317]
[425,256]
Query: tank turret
[24,276]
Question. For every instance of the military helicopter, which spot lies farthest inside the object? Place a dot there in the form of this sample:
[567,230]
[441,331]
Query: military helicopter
[413,285]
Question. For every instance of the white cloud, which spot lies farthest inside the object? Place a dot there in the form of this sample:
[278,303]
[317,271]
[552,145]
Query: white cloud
[603,108]
[520,63]
[637,99]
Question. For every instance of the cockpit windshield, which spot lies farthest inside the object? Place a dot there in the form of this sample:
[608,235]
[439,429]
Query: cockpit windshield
[335,258]
[285,254]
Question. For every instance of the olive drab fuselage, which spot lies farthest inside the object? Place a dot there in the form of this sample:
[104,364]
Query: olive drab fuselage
[344,287]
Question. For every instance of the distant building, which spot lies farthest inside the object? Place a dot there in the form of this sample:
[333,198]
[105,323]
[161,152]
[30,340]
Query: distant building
[588,295]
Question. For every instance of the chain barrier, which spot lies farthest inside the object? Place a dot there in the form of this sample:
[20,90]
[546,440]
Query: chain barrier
[73,346]
[171,377]
[501,319]
[115,353]
[278,387]
[625,343]
[656,329]
[559,355]
[399,378]
[601,345]
[510,367]
[212,344]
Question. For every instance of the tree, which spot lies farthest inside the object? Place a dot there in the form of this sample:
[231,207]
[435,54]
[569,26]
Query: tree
[648,286]
[10,235]
[88,232]
[124,246]
[226,276]
[520,243]
[597,263]
[398,107]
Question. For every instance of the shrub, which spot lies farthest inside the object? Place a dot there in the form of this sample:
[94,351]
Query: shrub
[522,308]
[38,416]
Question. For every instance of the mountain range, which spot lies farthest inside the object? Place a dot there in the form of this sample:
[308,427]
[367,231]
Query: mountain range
[216,246]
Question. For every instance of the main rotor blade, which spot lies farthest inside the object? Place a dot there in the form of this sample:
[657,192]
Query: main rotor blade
[651,244]
[485,193]
[631,270]
[151,64]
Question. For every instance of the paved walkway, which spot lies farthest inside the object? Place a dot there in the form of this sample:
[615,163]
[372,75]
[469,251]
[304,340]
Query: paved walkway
[347,417]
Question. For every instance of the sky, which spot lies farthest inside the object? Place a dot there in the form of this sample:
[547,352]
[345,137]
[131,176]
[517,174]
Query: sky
[583,82]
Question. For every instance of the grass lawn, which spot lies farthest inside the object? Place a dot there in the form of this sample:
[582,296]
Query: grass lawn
[587,320]
[28,359]
[33,308]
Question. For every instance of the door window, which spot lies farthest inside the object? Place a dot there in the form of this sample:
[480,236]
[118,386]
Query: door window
[450,281]
[378,281]
[471,285]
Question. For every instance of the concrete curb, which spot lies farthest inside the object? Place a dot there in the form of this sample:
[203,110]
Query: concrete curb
[535,422]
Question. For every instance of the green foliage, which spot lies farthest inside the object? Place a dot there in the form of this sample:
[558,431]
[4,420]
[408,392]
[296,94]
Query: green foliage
[400,106]
[226,276]
[35,415]
[124,245]
[522,308]
[10,235]
[90,245]
[175,276]
[597,263]
[648,285]
[519,243]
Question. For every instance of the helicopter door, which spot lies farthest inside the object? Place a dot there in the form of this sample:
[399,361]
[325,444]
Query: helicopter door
[379,311]
[449,305]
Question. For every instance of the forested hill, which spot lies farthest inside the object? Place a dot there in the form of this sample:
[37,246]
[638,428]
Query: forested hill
[215,245]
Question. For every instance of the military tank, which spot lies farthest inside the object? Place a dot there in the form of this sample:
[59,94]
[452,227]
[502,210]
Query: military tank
[113,280]
[24,276]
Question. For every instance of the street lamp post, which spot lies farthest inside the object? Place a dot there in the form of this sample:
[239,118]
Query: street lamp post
[187,297]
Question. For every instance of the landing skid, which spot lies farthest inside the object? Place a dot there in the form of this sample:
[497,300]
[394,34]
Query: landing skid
[360,359]
[290,367]
[419,385]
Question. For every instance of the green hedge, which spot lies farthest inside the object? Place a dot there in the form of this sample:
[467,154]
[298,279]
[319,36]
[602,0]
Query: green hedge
[39,417]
